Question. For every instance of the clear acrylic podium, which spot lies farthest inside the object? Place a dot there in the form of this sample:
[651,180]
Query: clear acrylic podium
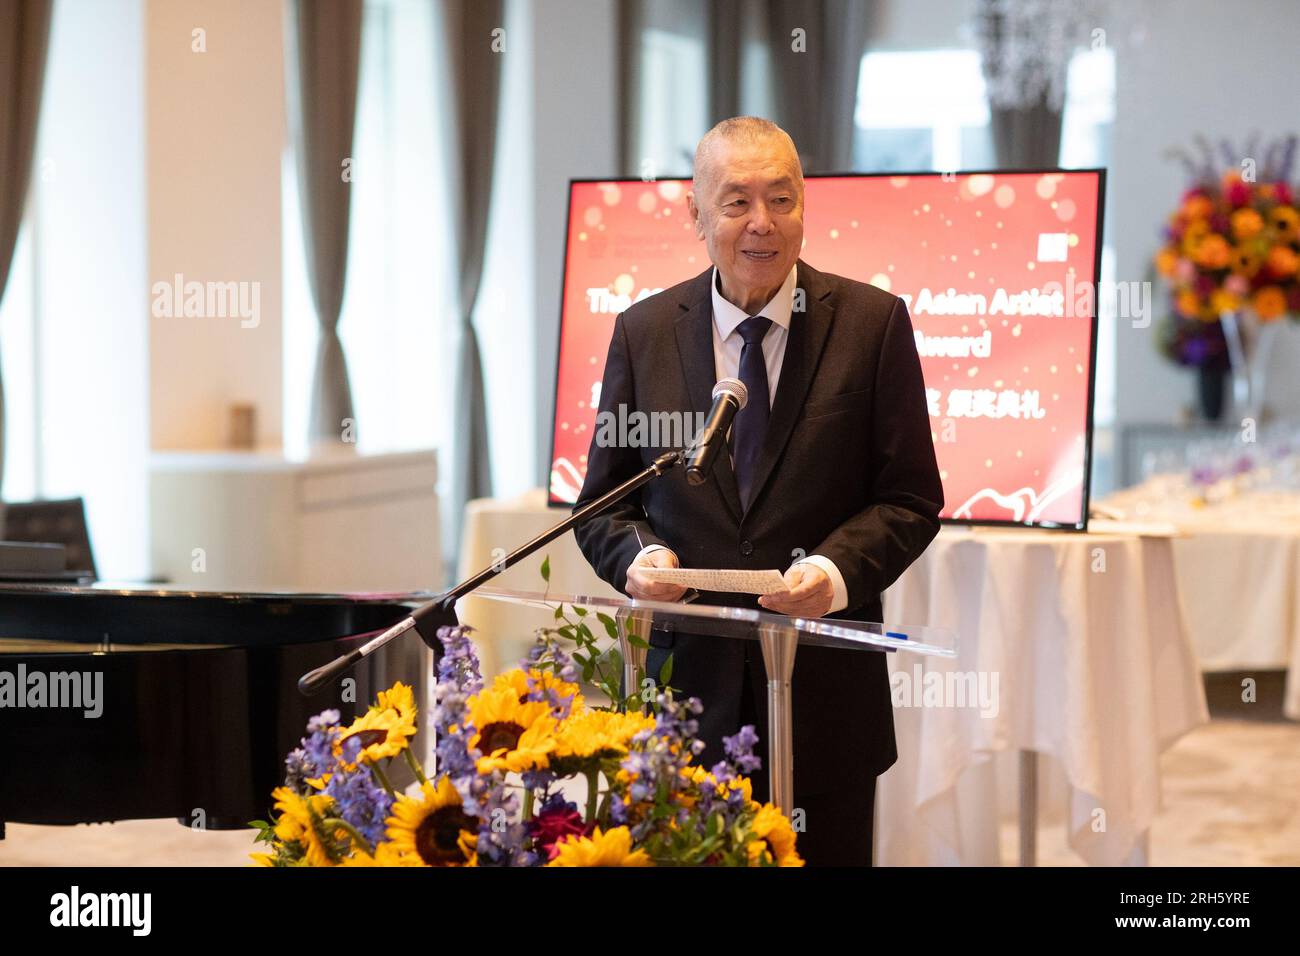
[779,635]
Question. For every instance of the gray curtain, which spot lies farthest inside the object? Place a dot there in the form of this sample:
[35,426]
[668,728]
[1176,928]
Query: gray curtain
[631,23]
[24,44]
[725,29]
[323,108]
[476,82]
[816,90]
[1026,137]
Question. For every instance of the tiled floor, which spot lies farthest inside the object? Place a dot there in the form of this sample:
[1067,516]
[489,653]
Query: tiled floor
[1232,798]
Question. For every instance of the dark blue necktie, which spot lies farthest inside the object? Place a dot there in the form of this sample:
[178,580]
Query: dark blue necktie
[750,424]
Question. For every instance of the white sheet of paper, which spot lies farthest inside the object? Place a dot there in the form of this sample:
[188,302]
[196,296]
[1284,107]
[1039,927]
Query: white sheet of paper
[720,579]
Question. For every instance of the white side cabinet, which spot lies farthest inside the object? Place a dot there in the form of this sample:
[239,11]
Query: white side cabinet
[255,521]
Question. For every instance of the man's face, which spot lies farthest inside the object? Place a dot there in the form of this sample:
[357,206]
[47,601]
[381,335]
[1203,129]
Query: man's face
[750,215]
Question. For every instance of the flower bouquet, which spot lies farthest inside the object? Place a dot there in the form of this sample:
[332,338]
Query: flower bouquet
[506,755]
[1230,256]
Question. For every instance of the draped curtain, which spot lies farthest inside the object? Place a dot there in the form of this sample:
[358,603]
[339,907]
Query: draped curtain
[816,49]
[24,45]
[813,74]
[475,54]
[322,108]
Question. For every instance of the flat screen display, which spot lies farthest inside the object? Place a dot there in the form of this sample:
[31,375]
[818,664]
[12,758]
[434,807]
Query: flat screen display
[999,271]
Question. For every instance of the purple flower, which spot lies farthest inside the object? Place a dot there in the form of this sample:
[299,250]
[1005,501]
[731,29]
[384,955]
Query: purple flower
[360,802]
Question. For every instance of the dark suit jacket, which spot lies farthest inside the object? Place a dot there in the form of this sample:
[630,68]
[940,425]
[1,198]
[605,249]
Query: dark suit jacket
[847,470]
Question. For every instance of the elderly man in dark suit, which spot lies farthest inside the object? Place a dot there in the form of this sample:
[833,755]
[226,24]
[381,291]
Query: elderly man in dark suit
[831,473]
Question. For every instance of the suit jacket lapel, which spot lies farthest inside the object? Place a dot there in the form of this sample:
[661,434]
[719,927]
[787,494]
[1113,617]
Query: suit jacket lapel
[694,332]
[803,350]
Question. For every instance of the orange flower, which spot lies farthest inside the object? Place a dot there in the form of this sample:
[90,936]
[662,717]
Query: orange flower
[1285,222]
[1269,303]
[1166,261]
[1246,223]
[1193,234]
[1198,207]
[1245,261]
[1281,262]
[1213,252]
[1223,301]
[1189,304]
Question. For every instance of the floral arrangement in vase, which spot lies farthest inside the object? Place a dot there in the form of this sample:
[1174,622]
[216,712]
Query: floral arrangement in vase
[506,753]
[1231,257]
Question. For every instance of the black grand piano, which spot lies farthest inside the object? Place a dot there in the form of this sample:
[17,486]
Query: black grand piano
[199,700]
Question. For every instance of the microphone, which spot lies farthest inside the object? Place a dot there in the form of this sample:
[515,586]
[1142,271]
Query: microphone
[729,397]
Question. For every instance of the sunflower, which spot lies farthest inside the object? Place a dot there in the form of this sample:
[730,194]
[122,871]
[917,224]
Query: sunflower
[386,854]
[384,729]
[774,838]
[300,822]
[1285,222]
[517,679]
[1245,260]
[512,735]
[431,829]
[701,777]
[599,732]
[611,848]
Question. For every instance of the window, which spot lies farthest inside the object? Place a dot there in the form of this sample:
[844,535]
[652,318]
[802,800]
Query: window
[73,322]
[922,109]
[398,318]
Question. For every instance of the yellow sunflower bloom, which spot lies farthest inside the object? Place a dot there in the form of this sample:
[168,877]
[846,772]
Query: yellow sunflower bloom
[386,854]
[774,836]
[298,822]
[385,729]
[610,848]
[431,829]
[1245,260]
[512,735]
[594,732]
[1285,222]
[517,680]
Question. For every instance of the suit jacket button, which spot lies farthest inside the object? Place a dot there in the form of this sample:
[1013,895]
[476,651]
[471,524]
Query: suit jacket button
[746,548]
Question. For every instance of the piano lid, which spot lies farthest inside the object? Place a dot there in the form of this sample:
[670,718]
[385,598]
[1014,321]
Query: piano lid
[107,614]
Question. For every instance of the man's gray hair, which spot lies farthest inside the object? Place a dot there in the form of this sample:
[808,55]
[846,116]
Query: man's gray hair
[745,129]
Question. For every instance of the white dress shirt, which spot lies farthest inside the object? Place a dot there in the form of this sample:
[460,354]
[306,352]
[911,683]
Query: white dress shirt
[727,344]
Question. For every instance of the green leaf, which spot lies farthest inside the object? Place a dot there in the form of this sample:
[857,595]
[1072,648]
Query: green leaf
[580,611]
[546,569]
[611,628]
[637,641]
[559,612]
[666,672]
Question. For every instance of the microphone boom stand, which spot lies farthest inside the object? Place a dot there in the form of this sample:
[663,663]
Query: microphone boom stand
[442,610]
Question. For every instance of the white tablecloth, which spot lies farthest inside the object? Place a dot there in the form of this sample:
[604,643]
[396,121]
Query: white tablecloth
[1238,569]
[1093,667]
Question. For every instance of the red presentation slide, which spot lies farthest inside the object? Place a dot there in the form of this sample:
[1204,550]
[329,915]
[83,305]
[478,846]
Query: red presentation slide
[998,271]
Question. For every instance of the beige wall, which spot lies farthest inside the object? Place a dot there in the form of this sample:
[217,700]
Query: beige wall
[215,128]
